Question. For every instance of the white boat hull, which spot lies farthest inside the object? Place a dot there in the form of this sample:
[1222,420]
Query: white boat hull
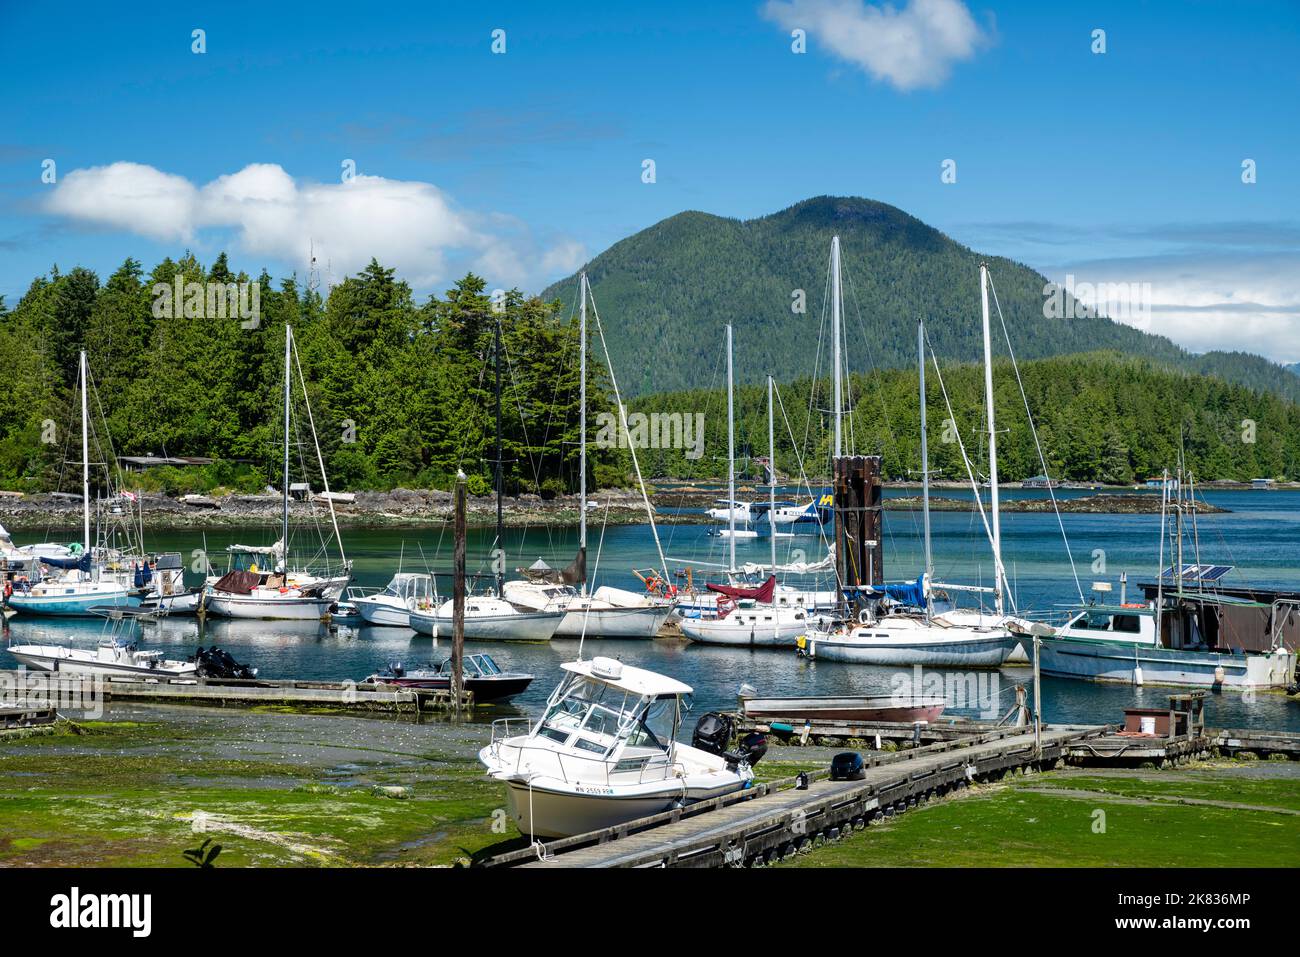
[54,658]
[744,631]
[1136,664]
[380,613]
[964,649]
[525,626]
[643,622]
[541,812]
[268,609]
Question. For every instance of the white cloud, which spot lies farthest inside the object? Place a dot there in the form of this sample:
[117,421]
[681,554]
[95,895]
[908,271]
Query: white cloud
[1234,302]
[911,47]
[410,225]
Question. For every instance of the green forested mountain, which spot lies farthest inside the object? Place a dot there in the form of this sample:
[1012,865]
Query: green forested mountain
[401,392]
[1100,417]
[666,292]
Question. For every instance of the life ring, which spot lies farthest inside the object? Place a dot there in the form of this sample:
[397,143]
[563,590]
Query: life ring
[653,584]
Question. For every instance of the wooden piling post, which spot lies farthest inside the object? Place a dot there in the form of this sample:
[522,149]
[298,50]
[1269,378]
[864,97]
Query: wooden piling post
[458,596]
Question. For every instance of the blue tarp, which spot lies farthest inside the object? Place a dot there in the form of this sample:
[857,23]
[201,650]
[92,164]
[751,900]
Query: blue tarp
[905,593]
[81,563]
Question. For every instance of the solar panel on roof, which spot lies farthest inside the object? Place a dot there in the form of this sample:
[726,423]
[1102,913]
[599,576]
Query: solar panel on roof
[1198,573]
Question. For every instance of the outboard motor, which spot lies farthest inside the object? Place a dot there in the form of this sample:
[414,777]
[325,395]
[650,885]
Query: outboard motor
[848,766]
[752,747]
[713,733]
[395,669]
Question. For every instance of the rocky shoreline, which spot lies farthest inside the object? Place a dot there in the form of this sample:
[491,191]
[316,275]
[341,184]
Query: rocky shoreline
[433,507]
[368,509]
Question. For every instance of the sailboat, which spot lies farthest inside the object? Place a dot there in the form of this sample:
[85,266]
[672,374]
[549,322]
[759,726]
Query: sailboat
[743,616]
[82,583]
[957,638]
[608,612]
[249,590]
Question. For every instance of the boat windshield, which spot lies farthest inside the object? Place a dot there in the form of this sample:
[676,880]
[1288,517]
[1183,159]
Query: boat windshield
[486,666]
[657,725]
[593,707]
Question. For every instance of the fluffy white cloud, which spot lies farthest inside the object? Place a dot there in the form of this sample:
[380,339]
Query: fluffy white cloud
[910,47]
[1234,302]
[413,226]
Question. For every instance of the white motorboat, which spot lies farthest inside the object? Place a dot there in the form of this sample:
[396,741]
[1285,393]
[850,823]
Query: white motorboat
[110,657]
[487,618]
[392,606]
[605,753]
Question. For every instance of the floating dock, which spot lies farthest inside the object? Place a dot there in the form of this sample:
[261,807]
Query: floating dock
[231,692]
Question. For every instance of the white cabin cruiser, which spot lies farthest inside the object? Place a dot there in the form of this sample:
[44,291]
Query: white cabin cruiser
[393,605]
[605,753]
[487,618]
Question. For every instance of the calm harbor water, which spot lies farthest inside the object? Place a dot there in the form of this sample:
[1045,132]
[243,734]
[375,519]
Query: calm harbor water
[1260,537]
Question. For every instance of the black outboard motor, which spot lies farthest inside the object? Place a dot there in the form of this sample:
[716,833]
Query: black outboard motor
[713,733]
[752,747]
[848,766]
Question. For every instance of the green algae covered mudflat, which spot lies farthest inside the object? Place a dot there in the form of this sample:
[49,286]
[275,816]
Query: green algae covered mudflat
[1216,814]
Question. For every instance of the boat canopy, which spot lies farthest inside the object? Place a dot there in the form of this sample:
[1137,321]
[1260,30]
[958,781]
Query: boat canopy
[237,582]
[638,681]
[277,549]
[763,593]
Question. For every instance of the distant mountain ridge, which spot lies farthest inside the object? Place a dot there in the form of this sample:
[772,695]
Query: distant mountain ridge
[666,292]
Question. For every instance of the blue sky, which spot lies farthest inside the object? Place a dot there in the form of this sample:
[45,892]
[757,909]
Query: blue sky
[1124,166]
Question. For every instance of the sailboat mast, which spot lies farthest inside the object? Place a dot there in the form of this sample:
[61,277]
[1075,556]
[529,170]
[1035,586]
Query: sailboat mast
[731,464]
[999,574]
[836,308]
[582,419]
[284,497]
[500,525]
[771,474]
[85,458]
[925,462]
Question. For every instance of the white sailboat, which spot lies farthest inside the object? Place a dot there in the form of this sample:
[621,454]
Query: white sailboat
[957,638]
[82,583]
[605,753]
[608,612]
[739,617]
[275,592]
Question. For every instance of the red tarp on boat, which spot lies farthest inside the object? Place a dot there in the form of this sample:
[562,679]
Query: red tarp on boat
[762,593]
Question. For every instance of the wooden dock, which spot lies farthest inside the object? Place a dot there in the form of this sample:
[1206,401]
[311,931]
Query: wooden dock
[774,820]
[230,692]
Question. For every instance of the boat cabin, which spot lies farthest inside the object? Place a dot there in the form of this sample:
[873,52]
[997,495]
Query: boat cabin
[615,714]
[1127,623]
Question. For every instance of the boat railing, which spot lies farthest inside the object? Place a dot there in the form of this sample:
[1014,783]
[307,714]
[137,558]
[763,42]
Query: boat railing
[577,768]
